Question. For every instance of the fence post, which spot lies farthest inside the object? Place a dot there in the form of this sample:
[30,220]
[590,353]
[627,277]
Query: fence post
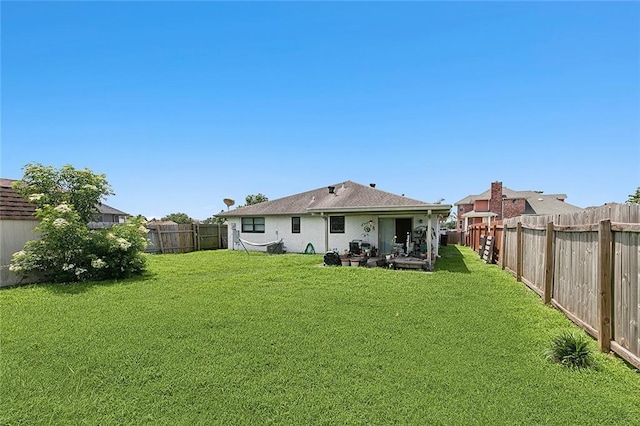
[159,232]
[604,285]
[548,264]
[519,252]
[503,246]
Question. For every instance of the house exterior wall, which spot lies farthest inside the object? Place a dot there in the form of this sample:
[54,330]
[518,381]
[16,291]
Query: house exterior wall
[513,208]
[279,227]
[14,234]
[110,218]
[482,206]
[462,209]
[312,230]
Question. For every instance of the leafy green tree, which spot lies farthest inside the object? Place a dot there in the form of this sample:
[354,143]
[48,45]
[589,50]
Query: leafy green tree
[178,218]
[67,250]
[215,219]
[634,198]
[255,199]
[81,189]
[449,225]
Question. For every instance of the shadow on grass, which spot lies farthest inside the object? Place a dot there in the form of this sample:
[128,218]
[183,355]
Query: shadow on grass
[451,260]
[81,287]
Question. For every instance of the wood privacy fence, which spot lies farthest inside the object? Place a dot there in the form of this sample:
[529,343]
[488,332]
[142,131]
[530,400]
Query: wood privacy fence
[586,265]
[184,238]
[474,237]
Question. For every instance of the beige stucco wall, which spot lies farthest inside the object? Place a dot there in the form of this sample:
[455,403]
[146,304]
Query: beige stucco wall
[13,235]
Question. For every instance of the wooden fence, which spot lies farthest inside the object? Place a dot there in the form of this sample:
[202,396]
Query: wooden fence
[474,237]
[586,265]
[453,237]
[184,238]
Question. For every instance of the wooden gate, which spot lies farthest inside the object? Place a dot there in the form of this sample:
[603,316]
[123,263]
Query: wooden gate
[212,236]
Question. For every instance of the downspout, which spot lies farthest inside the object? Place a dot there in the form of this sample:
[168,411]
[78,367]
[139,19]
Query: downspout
[429,239]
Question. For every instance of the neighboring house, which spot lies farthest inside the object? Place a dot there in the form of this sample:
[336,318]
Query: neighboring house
[17,222]
[500,202]
[109,214]
[333,216]
[107,217]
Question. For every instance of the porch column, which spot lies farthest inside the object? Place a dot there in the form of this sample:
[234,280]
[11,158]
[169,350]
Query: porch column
[429,238]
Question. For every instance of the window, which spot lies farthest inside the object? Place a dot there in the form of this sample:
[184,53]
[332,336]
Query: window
[253,224]
[336,224]
[295,225]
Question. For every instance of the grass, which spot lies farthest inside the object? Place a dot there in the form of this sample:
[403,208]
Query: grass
[229,338]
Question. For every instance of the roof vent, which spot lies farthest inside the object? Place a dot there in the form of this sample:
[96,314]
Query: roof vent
[373,185]
[332,190]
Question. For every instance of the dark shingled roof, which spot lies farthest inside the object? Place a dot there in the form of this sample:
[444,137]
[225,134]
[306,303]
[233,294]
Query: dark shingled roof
[347,196]
[105,209]
[12,205]
[549,204]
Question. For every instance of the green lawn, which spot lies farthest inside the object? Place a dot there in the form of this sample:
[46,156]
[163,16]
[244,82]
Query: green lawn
[229,338]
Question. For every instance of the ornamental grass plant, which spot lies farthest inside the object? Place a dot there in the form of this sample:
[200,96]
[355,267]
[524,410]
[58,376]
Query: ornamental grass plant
[571,348]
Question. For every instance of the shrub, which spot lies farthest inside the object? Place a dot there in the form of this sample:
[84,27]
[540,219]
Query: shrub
[67,250]
[570,349]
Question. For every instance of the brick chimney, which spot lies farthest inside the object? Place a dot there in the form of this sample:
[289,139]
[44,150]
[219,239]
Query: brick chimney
[495,203]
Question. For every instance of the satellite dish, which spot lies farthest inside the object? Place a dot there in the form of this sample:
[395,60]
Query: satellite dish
[229,202]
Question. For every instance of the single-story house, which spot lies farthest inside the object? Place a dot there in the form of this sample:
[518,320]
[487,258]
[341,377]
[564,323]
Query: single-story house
[500,202]
[108,216]
[335,217]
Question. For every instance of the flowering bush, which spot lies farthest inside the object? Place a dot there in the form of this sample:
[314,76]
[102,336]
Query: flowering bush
[118,251]
[67,249]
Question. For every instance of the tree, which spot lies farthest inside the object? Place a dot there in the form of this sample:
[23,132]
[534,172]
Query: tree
[67,250]
[178,218]
[449,225]
[215,219]
[451,221]
[255,199]
[81,189]
[634,198]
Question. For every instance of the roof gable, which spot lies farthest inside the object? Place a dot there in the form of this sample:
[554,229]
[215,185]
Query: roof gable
[106,209]
[346,196]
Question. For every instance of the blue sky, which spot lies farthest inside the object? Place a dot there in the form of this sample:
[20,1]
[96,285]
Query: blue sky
[182,104]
